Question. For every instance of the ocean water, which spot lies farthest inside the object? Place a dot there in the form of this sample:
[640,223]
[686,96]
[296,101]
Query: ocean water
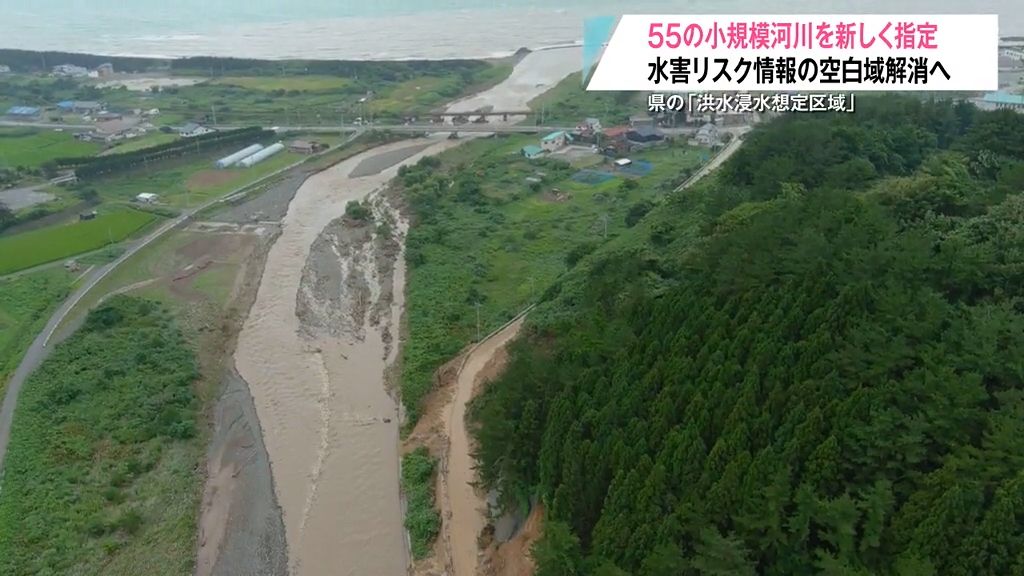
[378,29]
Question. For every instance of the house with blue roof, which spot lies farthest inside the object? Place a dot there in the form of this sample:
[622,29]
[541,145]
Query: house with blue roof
[1004,100]
[79,106]
[23,112]
[555,140]
[532,151]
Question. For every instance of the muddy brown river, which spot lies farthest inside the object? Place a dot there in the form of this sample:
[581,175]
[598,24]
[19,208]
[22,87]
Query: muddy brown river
[329,425]
[315,347]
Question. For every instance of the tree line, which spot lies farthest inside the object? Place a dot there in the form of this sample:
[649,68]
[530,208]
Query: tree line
[808,366]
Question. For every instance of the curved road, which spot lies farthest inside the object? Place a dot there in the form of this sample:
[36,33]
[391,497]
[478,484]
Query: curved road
[465,514]
[38,351]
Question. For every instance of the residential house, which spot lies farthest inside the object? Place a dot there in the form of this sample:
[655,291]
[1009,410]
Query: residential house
[615,141]
[589,127]
[108,116]
[707,135]
[5,69]
[105,70]
[644,135]
[114,130]
[305,146]
[555,140]
[191,130]
[79,106]
[532,151]
[147,198]
[87,215]
[70,70]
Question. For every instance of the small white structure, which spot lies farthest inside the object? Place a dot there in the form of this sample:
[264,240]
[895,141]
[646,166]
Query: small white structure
[147,198]
[261,155]
[70,70]
[232,159]
[623,162]
[191,130]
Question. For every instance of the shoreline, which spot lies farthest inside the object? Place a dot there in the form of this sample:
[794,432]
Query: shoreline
[489,57]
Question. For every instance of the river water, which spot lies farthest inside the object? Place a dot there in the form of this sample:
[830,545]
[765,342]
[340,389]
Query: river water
[330,427]
[386,29]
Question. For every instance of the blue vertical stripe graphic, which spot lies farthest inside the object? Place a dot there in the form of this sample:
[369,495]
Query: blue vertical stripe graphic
[596,32]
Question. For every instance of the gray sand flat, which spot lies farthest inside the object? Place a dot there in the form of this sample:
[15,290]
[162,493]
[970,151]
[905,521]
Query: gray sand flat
[380,162]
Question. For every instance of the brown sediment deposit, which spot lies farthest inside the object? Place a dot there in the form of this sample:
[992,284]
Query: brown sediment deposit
[513,558]
[208,178]
[314,350]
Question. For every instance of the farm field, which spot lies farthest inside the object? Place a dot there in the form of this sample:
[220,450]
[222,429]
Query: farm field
[54,243]
[151,139]
[270,83]
[33,148]
[188,181]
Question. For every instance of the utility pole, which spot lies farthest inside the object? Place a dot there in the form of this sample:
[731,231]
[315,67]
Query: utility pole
[110,236]
[604,220]
[213,109]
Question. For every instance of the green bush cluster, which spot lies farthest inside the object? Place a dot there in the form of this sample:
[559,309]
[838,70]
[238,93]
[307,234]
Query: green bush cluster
[95,426]
[421,517]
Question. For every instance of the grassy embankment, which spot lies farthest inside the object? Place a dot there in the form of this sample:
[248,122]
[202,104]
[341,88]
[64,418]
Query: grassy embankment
[421,517]
[101,461]
[25,303]
[485,237]
[568,103]
[130,498]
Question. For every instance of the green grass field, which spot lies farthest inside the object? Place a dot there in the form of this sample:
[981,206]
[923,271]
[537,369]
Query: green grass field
[54,243]
[269,83]
[33,148]
[25,303]
[151,139]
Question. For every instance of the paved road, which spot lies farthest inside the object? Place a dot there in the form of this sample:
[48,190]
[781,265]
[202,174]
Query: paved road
[38,351]
[720,158]
[40,124]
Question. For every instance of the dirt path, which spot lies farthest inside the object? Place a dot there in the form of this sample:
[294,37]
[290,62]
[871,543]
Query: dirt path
[463,510]
[313,350]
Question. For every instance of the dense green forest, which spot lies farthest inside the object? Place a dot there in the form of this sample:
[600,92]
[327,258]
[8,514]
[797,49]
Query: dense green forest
[810,365]
[99,475]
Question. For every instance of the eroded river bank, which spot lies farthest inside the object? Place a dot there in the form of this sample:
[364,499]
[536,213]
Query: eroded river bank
[318,341]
